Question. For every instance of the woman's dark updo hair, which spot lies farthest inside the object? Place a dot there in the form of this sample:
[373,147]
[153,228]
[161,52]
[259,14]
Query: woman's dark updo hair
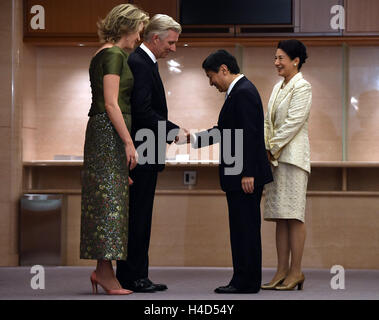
[294,49]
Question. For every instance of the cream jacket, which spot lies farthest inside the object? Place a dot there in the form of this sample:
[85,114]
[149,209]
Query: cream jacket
[286,137]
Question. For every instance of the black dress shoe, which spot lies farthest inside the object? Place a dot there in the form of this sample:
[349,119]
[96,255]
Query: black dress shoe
[157,286]
[230,289]
[141,285]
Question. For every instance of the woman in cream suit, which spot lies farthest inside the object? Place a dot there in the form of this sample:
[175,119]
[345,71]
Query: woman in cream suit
[287,144]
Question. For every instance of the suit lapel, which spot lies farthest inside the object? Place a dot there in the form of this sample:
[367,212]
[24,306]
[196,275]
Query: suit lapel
[145,56]
[291,83]
[271,102]
[273,97]
[229,98]
[286,90]
[157,79]
[222,112]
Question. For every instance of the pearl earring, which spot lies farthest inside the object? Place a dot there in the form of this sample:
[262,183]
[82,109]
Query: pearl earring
[295,64]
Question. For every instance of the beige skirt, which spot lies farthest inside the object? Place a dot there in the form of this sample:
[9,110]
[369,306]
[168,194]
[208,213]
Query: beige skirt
[285,197]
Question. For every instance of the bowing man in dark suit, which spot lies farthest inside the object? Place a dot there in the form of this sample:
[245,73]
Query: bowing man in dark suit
[149,115]
[244,168]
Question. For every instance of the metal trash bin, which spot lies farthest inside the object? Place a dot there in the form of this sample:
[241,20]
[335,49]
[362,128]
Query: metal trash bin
[40,229]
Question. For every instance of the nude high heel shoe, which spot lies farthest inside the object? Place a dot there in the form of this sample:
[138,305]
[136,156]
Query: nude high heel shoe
[95,282]
[271,286]
[299,283]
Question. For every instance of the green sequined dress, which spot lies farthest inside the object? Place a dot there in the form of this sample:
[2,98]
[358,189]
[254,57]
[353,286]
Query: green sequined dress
[105,186]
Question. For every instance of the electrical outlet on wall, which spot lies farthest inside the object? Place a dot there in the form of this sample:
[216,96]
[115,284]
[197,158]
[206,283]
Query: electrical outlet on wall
[189,177]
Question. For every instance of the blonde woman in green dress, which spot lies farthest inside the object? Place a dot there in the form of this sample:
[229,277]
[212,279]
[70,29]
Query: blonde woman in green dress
[109,152]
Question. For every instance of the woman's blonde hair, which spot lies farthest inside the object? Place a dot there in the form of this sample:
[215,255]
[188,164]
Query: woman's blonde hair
[160,24]
[122,19]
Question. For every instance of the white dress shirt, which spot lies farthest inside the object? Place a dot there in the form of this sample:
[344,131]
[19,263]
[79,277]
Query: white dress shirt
[233,84]
[149,53]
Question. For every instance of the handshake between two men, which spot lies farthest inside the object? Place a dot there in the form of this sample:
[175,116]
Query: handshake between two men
[239,130]
[183,137]
[213,136]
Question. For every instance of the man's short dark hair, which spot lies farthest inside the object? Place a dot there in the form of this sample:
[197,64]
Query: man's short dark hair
[216,59]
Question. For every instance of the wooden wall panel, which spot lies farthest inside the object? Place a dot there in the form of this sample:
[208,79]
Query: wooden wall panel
[340,231]
[69,17]
[315,16]
[29,111]
[63,98]
[73,18]
[362,16]
[363,111]
[168,7]
[73,22]
[190,226]
[10,129]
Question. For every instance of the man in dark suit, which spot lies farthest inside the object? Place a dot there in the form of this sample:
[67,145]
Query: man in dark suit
[149,115]
[244,168]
